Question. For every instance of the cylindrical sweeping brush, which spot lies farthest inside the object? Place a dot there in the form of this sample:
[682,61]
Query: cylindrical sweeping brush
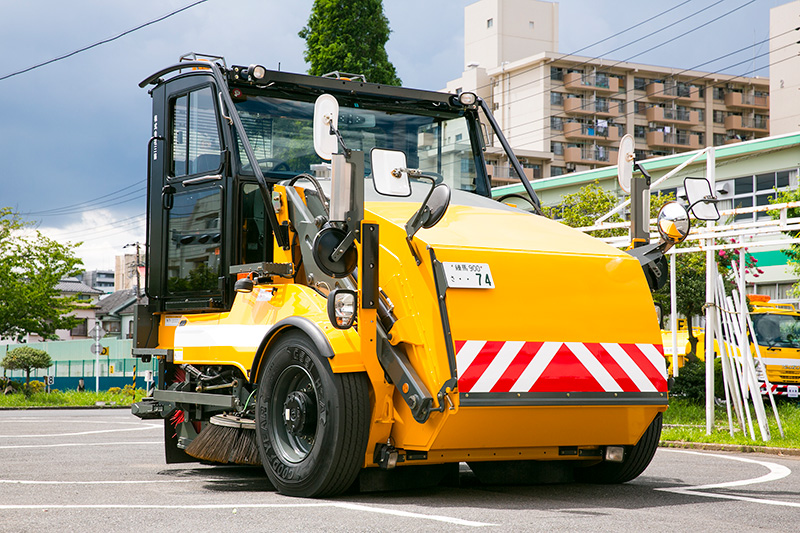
[227,439]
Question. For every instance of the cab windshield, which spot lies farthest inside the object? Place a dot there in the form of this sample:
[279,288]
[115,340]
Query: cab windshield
[280,133]
[780,331]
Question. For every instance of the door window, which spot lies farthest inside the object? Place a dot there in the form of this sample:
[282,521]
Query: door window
[194,235]
[195,134]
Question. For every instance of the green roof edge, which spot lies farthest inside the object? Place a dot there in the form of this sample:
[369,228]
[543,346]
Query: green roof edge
[587,176]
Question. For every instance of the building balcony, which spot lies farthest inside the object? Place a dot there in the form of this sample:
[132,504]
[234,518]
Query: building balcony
[682,140]
[747,101]
[575,81]
[576,130]
[586,107]
[590,155]
[662,91]
[673,116]
[739,123]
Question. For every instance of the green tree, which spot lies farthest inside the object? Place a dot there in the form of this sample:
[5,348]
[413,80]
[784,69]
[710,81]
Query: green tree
[793,251]
[349,36]
[26,358]
[582,208]
[31,266]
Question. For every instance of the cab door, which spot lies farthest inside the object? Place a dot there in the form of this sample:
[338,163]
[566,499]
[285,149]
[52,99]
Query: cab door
[188,235]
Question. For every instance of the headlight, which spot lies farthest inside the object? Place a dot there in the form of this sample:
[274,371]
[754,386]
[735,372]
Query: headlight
[342,308]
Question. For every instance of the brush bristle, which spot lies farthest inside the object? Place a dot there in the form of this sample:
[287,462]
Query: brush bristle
[226,443]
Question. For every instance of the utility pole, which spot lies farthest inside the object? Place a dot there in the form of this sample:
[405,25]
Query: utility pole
[136,265]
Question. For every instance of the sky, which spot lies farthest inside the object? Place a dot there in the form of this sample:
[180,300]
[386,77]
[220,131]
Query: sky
[73,133]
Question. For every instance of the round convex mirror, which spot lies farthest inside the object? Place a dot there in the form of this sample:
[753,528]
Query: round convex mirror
[437,204]
[673,223]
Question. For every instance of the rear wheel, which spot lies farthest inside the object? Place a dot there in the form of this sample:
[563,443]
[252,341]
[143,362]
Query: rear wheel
[312,425]
[636,460]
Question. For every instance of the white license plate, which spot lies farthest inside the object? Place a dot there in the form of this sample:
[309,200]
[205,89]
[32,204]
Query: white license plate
[793,391]
[468,275]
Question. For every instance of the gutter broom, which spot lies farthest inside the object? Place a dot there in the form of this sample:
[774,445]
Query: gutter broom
[227,439]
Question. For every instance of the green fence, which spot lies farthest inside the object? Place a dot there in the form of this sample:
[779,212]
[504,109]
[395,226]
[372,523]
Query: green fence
[74,359]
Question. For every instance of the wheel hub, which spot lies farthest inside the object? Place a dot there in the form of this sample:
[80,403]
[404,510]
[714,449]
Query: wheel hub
[299,414]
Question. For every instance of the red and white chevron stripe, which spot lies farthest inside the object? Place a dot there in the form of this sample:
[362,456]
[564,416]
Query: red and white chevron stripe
[497,366]
[791,391]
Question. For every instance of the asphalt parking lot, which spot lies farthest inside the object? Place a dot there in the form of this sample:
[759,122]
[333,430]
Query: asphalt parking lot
[103,470]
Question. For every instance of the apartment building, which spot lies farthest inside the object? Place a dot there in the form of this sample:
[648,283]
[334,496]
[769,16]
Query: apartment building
[565,113]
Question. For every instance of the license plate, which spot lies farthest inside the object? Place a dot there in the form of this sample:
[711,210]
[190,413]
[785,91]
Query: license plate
[468,275]
[792,391]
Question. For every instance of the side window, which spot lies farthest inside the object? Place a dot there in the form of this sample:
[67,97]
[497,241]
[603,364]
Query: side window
[256,237]
[195,134]
[195,235]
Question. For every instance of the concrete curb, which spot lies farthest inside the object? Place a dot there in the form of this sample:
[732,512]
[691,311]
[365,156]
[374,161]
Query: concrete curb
[741,448]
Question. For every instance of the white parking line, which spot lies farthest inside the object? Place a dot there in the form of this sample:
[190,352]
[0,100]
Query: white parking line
[775,473]
[42,435]
[340,505]
[81,444]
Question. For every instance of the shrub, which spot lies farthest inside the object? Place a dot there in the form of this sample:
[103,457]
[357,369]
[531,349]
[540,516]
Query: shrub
[691,381]
[114,390]
[35,387]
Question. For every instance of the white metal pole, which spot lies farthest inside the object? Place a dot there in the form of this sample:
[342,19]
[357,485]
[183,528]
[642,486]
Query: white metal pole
[711,267]
[727,351]
[767,384]
[673,304]
[741,372]
[96,358]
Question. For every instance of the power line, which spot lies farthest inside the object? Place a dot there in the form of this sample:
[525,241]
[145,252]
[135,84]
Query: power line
[78,207]
[639,99]
[563,56]
[640,53]
[104,41]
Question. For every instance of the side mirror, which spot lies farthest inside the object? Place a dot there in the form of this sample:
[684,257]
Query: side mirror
[673,223]
[326,114]
[702,203]
[388,172]
[625,157]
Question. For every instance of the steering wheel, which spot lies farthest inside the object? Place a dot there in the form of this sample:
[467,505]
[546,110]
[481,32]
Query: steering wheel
[438,178]
[278,164]
[516,195]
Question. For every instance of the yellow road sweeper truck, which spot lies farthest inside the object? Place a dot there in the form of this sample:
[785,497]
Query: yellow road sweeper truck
[332,293]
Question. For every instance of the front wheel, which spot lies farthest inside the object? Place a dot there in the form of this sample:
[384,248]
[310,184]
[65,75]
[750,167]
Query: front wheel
[636,459]
[312,425]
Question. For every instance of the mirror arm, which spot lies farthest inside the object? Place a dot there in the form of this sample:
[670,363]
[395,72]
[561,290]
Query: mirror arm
[416,221]
[343,246]
[339,138]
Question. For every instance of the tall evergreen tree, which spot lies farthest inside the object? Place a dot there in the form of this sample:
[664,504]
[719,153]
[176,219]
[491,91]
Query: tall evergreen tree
[349,36]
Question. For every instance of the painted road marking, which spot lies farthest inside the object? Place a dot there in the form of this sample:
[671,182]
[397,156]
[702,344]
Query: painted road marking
[775,473]
[95,432]
[340,505]
[69,444]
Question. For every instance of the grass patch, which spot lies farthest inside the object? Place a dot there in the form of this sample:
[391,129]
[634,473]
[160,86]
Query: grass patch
[71,398]
[685,420]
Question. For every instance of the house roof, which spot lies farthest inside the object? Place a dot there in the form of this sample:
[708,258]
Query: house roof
[116,302]
[75,286]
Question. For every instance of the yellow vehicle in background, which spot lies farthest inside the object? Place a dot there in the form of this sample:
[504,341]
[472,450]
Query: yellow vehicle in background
[334,294]
[777,327]
[682,345]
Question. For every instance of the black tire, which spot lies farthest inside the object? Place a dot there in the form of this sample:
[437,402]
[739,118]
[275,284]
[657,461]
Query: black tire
[317,449]
[637,458]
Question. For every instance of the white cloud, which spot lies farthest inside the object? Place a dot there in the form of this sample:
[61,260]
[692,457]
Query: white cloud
[103,234]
